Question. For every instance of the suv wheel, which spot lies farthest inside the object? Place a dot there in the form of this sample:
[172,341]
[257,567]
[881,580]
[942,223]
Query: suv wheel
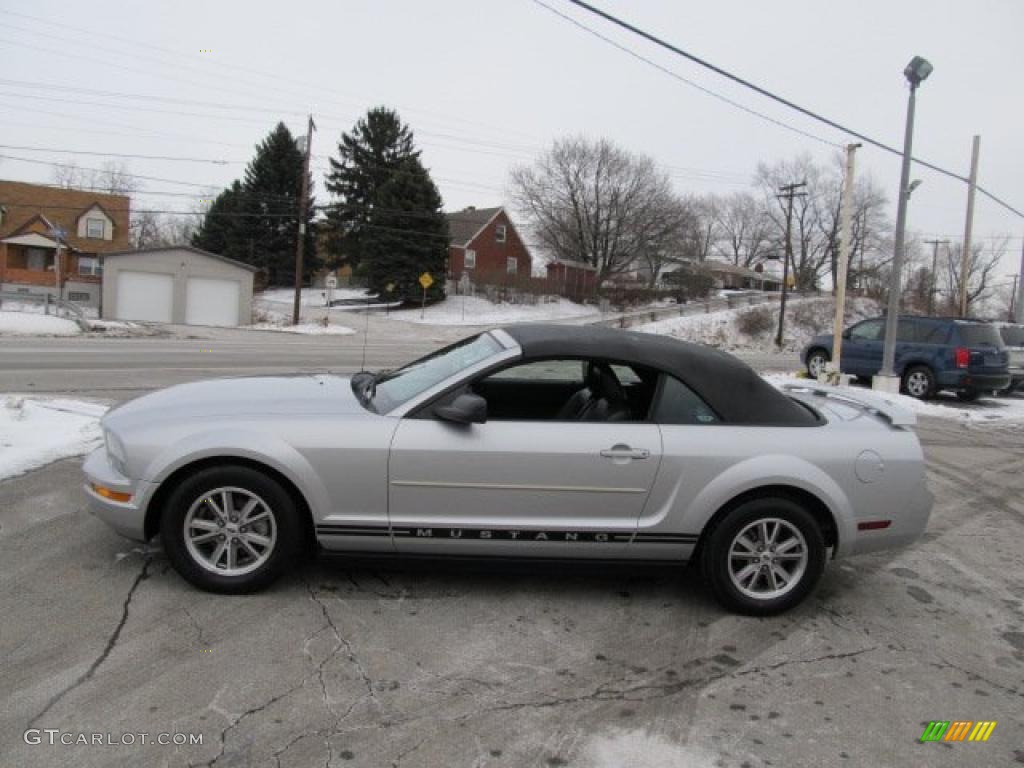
[816,361]
[230,529]
[919,382]
[764,557]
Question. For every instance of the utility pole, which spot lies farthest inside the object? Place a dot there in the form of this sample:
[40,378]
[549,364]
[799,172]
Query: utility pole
[1013,300]
[303,207]
[846,215]
[965,257]
[788,192]
[933,280]
[1018,307]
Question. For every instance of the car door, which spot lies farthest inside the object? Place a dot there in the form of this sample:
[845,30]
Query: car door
[524,486]
[862,350]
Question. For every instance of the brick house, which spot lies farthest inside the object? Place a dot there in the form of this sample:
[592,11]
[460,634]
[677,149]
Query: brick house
[486,248]
[37,222]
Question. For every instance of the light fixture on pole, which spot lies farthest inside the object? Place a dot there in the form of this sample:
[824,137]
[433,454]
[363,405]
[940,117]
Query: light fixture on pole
[916,72]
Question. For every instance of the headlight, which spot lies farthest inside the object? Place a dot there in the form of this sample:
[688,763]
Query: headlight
[115,451]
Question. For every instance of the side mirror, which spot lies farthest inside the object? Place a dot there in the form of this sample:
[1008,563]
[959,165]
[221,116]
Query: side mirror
[466,409]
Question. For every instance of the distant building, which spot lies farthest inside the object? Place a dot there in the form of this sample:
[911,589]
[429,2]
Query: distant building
[38,221]
[736,277]
[486,248]
[575,279]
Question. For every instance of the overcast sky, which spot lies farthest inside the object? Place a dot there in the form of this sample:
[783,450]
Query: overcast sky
[485,84]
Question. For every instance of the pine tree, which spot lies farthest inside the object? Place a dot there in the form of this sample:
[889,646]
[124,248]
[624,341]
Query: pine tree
[388,218]
[256,220]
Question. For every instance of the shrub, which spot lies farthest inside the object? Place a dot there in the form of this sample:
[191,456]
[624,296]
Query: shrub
[755,322]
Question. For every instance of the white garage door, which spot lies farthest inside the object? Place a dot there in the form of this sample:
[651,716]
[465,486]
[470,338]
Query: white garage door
[211,302]
[144,296]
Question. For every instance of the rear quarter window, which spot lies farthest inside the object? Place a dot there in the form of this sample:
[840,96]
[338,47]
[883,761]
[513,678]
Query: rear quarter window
[678,404]
[1013,335]
[979,335]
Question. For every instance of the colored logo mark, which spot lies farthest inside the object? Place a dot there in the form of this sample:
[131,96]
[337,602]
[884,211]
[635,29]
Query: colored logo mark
[958,730]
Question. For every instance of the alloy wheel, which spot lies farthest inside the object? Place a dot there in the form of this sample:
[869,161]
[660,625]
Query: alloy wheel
[230,531]
[767,558]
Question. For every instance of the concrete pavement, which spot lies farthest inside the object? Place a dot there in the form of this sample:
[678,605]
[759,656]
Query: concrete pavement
[349,663]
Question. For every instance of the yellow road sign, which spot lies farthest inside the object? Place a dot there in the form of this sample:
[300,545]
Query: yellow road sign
[426,280]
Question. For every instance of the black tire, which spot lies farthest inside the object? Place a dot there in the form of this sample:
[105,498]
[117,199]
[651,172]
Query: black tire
[716,560]
[968,395]
[287,528]
[819,357]
[918,381]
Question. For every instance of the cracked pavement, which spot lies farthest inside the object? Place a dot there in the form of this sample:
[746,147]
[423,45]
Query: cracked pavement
[363,663]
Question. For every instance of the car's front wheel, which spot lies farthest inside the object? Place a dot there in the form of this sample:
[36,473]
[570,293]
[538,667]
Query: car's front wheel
[816,361]
[764,556]
[230,529]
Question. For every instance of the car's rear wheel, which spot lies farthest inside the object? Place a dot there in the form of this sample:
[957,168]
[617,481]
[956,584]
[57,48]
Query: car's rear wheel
[230,529]
[816,361]
[764,557]
[919,382]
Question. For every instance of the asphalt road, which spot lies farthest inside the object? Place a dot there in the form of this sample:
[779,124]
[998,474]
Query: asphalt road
[119,368]
[379,664]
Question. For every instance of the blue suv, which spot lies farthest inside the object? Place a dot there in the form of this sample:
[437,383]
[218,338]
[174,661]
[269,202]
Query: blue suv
[932,354]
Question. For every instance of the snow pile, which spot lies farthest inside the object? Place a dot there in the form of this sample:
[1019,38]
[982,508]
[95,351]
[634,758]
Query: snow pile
[753,328]
[33,324]
[944,406]
[311,297]
[476,310]
[34,432]
[308,329]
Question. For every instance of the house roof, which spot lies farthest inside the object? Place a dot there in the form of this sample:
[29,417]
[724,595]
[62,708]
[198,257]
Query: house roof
[190,249]
[729,386]
[25,203]
[466,224]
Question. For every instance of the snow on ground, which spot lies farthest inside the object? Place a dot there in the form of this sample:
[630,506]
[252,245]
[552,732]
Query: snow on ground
[309,329]
[311,297]
[32,324]
[475,310]
[753,328]
[35,431]
[944,406]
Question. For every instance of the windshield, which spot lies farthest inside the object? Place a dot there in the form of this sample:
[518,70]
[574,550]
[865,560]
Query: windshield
[397,387]
[979,335]
[1013,335]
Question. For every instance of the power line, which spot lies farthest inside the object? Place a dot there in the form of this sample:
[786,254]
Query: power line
[773,96]
[125,155]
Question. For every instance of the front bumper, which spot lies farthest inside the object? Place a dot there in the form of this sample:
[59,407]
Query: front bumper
[128,517]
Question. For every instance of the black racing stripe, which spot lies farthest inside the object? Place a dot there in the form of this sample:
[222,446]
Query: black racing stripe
[504,534]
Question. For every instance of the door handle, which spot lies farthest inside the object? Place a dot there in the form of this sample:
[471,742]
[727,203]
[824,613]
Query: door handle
[625,452]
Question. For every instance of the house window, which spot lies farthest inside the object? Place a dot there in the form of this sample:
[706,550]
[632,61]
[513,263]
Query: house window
[95,228]
[512,265]
[89,265]
[35,259]
[499,233]
[79,296]
[469,260]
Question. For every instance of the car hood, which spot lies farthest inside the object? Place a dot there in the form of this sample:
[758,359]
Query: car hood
[247,396]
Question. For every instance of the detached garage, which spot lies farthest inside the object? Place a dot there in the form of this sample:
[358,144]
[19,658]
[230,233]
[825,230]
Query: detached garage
[177,284]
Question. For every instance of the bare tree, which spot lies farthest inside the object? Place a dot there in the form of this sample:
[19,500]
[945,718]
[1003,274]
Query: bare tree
[743,229]
[111,178]
[594,202]
[816,218]
[980,274]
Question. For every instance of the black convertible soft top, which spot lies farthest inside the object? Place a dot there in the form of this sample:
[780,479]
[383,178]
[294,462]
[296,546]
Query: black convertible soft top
[732,389]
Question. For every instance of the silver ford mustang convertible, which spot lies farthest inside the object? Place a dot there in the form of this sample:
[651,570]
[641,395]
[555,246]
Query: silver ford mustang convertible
[537,441]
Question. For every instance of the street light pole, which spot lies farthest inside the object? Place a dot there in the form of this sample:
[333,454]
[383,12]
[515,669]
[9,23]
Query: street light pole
[916,72]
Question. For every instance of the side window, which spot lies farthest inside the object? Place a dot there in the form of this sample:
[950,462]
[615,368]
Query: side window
[869,330]
[543,370]
[678,404]
[932,332]
[908,330]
